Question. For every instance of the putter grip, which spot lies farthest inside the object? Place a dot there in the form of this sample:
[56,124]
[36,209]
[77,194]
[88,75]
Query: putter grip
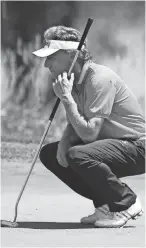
[54,109]
[86,30]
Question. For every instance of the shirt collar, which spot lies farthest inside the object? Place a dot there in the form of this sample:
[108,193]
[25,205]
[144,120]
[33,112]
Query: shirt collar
[79,83]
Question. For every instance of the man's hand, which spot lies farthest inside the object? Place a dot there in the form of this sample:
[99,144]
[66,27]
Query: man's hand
[62,86]
[63,147]
[69,139]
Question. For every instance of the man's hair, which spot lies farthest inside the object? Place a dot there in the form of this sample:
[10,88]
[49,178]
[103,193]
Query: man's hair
[68,34]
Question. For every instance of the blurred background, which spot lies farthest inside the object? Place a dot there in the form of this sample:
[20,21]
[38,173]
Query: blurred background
[116,39]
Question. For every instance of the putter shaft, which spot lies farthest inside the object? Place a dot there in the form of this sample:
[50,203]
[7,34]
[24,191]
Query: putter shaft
[13,224]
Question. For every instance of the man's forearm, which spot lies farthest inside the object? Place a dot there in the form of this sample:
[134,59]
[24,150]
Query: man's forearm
[70,136]
[78,121]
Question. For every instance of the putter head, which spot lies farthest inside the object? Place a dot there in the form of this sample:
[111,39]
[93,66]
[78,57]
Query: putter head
[6,223]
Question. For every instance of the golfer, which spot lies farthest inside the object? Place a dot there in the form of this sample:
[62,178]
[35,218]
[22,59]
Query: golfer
[104,139]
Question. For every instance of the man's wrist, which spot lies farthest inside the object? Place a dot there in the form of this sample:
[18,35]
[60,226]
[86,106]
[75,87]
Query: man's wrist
[67,98]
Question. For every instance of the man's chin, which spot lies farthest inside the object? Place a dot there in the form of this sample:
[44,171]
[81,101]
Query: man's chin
[53,75]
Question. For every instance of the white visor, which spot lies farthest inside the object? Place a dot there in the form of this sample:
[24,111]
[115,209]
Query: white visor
[55,45]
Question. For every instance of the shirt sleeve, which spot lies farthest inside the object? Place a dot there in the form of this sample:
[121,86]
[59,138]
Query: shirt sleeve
[99,97]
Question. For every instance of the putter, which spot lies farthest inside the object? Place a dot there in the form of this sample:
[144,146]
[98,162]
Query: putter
[5,223]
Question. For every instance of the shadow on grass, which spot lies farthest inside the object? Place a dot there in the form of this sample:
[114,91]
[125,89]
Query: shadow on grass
[58,225]
[53,225]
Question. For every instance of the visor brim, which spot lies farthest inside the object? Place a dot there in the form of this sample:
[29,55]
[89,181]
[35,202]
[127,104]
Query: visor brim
[44,52]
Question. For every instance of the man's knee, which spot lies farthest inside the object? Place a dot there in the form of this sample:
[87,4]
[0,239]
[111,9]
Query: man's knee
[82,156]
[72,152]
[76,155]
[48,152]
[42,154]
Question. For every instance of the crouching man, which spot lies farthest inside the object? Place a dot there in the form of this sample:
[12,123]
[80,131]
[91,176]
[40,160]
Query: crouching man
[104,139]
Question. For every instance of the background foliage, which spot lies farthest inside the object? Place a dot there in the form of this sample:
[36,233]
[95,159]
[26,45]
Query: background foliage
[116,39]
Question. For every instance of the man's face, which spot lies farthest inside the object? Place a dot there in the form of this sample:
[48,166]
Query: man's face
[58,63]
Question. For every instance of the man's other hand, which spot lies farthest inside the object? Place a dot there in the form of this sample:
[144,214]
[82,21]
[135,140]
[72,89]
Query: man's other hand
[61,153]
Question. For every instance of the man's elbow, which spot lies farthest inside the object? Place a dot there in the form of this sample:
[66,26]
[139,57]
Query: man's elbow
[93,129]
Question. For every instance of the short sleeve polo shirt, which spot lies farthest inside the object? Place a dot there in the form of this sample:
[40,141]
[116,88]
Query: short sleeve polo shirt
[102,93]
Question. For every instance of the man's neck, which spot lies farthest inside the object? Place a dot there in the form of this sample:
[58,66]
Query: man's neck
[77,71]
[79,75]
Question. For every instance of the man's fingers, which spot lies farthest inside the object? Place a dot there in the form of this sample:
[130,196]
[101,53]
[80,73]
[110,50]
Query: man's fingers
[59,78]
[72,77]
[65,75]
